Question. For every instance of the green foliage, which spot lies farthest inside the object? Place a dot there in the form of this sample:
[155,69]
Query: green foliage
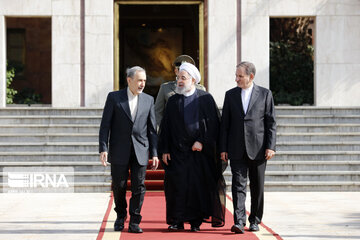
[27,96]
[291,62]
[10,93]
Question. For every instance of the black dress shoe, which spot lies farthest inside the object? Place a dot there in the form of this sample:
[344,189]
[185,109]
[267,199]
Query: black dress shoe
[254,227]
[176,227]
[119,224]
[194,229]
[237,228]
[135,229]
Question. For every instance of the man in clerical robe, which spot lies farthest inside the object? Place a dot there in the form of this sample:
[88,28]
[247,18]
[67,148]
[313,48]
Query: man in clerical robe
[194,185]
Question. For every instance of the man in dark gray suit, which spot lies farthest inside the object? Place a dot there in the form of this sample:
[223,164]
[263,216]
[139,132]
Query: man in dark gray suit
[247,138]
[128,135]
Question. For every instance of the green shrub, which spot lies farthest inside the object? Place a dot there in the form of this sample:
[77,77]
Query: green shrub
[10,93]
[27,96]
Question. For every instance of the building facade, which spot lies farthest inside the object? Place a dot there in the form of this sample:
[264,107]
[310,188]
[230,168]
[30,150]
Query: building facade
[93,41]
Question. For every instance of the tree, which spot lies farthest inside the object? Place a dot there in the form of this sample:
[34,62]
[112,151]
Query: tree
[291,61]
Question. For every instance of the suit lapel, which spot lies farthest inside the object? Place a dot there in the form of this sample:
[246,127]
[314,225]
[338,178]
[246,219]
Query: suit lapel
[124,102]
[253,97]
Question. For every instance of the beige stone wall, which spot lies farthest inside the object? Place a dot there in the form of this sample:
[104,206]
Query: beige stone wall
[65,47]
[337,45]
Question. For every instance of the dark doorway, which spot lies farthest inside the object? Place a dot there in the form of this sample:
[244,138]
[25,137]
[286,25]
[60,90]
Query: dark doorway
[29,54]
[152,36]
[292,60]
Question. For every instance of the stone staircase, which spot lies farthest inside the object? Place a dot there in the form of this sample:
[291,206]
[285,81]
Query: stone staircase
[318,149]
[39,138]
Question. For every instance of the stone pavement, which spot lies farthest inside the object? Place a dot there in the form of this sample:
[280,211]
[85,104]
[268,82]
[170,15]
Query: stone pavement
[293,215]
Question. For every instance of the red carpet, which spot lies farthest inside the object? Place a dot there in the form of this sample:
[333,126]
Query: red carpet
[155,227]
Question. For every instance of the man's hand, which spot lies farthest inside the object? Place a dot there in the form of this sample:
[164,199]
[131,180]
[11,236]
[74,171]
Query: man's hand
[269,154]
[197,146]
[104,158]
[166,157]
[155,163]
[224,156]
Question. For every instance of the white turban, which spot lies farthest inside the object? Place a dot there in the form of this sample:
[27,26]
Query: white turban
[192,70]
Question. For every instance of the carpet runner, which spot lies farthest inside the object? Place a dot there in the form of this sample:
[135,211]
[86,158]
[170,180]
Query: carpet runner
[155,227]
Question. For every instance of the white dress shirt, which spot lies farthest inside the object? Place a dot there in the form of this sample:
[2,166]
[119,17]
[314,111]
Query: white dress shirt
[245,97]
[133,103]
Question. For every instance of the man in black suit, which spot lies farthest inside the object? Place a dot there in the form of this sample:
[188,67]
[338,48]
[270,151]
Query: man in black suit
[128,135]
[247,138]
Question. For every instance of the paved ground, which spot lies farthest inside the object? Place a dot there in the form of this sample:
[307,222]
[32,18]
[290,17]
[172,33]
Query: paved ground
[293,215]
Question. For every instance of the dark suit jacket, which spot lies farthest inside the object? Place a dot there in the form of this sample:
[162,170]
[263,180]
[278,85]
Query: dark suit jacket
[253,132]
[118,131]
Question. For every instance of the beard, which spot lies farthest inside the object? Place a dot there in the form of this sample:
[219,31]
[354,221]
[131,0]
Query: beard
[183,89]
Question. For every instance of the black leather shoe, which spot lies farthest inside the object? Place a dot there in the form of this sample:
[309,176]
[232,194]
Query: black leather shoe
[194,229]
[119,224]
[254,227]
[176,227]
[237,228]
[135,229]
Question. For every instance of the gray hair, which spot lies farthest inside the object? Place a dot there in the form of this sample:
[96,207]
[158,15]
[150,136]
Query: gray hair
[248,66]
[130,72]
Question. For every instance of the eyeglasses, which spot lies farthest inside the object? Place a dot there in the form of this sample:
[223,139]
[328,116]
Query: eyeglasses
[182,78]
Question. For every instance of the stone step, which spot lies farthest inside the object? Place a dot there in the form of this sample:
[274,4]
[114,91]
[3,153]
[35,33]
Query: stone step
[322,128]
[313,165]
[31,111]
[314,137]
[317,119]
[49,156]
[318,146]
[93,156]
[311,110]
[49,147]
[49,137]
[316,155]
[94,137]
[84,166]
[49,128]
[49,119]
[307,186]
[306,176]
[94,176]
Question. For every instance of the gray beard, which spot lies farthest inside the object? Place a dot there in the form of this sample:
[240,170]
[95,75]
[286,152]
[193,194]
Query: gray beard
[182,90]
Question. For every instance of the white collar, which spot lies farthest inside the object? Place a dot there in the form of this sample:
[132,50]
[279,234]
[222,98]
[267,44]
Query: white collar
[130,94]
[191,92]
[249,89]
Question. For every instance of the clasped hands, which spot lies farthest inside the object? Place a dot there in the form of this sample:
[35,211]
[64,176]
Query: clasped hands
[104,162]
[197,146]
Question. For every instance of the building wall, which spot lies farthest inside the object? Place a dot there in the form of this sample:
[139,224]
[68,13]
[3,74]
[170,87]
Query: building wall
[65,29]
[99,73]
[222,45]
[337,45]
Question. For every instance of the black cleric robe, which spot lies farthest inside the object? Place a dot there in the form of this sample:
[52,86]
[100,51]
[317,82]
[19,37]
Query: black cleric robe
[194,184]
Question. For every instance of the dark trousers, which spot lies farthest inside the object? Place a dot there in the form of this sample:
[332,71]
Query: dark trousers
[240,168]
[120,174]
